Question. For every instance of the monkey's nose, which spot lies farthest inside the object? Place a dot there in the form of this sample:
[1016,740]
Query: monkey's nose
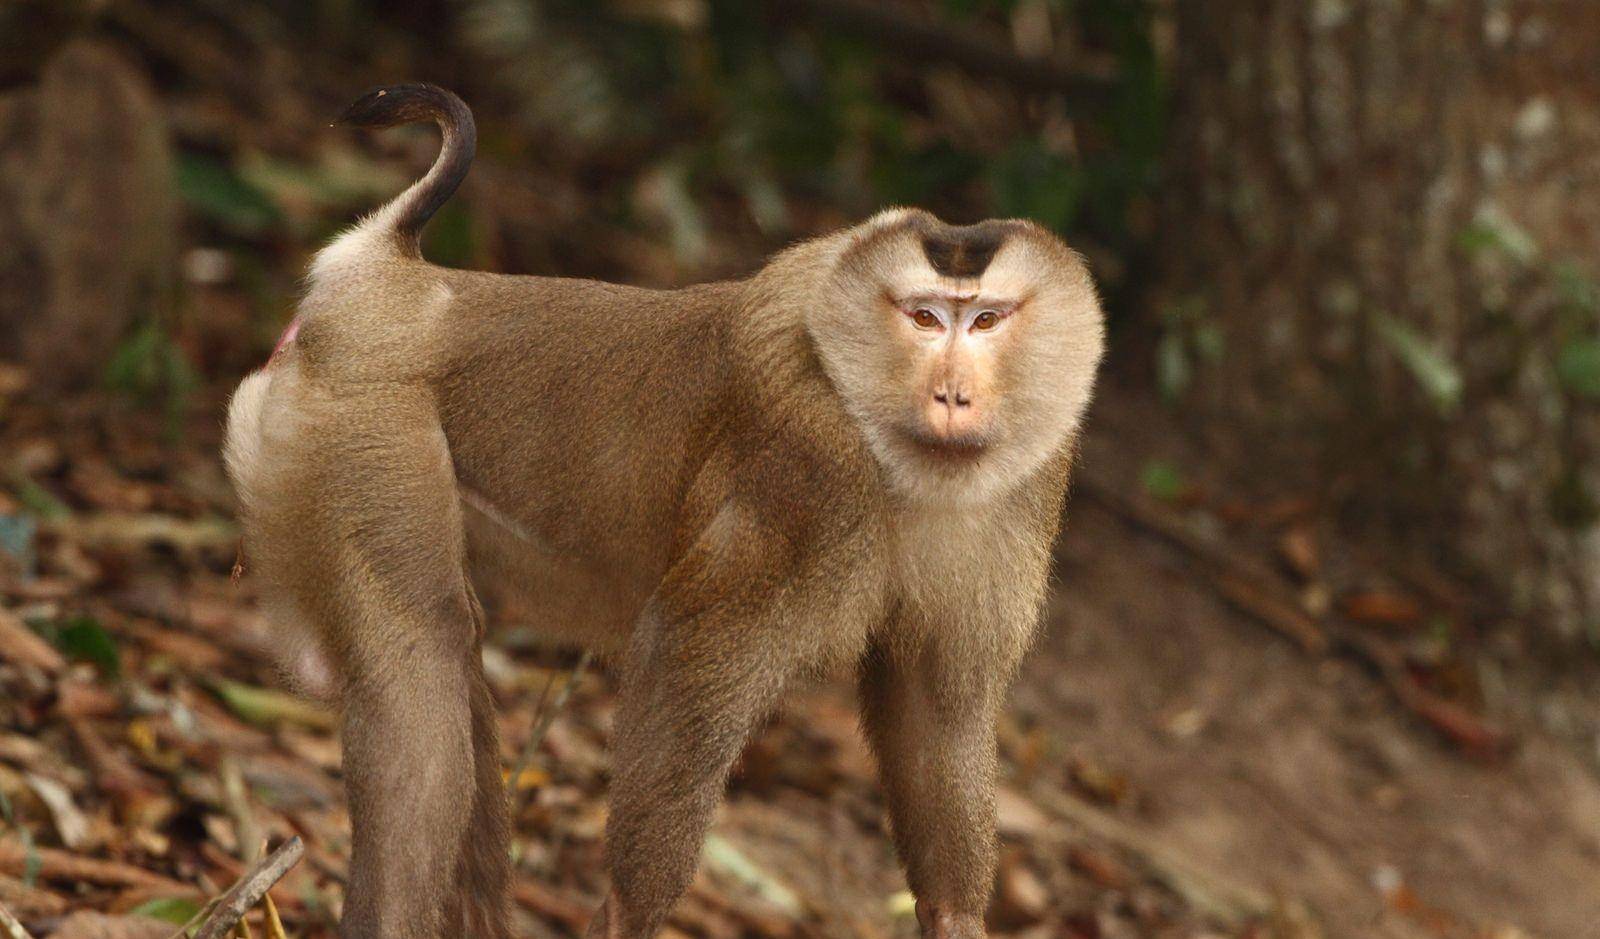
[950,413]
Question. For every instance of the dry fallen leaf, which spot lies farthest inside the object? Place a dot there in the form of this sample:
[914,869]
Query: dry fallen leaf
[1020,897]
[1382,608]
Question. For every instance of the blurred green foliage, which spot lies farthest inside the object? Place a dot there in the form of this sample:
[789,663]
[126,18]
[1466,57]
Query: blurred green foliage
[742,98]
[1163,480]
[1189,339]
[151,369]
[1558,336]
[214,192]
[718,129]
[175,910]
[1435,373]
[83,639]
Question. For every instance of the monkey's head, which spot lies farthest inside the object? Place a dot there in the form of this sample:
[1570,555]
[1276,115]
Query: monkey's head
[967,354]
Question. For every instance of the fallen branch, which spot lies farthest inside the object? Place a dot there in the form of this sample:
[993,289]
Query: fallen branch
[134,528]
[23,646]
[249,890]
[55,864]
[113,773]
[245,830]
[545,714]
[760,922]
[551,904]
[1230,902]
[31,901]
[12,927]
[1460,726]
[1236,578]
[1257,591]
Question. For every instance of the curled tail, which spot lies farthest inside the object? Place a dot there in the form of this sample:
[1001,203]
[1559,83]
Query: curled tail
[394,105]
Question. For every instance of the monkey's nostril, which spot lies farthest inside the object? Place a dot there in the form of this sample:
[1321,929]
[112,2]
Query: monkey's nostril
[962,399]
[941,397]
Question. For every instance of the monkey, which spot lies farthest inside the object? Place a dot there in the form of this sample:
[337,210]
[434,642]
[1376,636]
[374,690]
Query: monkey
[855,458]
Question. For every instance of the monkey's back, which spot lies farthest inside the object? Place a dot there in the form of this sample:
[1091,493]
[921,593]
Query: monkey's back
[589,371]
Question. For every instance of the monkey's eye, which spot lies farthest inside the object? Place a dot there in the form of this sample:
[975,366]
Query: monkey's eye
[986,321]
[924,318]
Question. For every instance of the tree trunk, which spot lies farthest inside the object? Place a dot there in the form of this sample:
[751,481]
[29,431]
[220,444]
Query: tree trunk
[86,212]
[1390,212]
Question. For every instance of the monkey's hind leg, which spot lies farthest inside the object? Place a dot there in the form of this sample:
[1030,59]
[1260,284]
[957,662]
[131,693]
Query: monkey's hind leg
[376,550]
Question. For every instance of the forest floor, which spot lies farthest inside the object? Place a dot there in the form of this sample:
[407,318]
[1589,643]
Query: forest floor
[1190,753]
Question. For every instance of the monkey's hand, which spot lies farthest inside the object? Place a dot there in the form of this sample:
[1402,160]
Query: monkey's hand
[941,924]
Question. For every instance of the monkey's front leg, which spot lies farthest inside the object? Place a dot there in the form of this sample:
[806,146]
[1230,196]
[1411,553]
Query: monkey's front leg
[692,693]
[930,714]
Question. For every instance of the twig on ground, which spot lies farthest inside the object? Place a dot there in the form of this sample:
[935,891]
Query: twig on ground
[113,773]
[1257,592]
[246,832]
[55,864]
[31,900]
[249,890]
[22,645]
[1235,577]
[761,922]
[1229,901]
[551,904]
[12,927]
[124,528]
[545,714]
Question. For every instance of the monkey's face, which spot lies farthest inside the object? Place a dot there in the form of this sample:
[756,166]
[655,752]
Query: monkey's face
[967,354]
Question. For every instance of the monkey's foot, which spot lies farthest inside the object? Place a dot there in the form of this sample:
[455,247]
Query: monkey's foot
[943,924]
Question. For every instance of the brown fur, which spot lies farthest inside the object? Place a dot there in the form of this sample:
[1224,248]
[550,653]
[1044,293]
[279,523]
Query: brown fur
[707,485]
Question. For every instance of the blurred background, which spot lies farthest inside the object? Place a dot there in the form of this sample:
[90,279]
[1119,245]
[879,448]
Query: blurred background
[1322,657]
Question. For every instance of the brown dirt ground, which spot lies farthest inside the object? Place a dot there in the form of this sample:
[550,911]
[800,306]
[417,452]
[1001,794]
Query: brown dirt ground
[1174,769]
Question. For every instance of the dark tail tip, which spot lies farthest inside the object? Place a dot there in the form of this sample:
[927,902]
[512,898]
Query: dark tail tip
[393,105]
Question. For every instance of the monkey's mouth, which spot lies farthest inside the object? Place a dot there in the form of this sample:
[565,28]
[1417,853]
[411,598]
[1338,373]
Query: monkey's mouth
[956,450]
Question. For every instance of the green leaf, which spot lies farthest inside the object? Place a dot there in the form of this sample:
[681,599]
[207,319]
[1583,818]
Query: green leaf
[175,910]
[1578,367]
[149,366]
[1163,480]
[268,708]
[32,862]
[30,851]
[1578,290]
[84,639]
[37,499]
[1493,231]
[1432,369]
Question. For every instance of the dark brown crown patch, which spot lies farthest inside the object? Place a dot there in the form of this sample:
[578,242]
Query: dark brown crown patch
[960,251]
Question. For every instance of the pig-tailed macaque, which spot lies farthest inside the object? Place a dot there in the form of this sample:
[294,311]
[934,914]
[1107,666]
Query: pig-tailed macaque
[856,457]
